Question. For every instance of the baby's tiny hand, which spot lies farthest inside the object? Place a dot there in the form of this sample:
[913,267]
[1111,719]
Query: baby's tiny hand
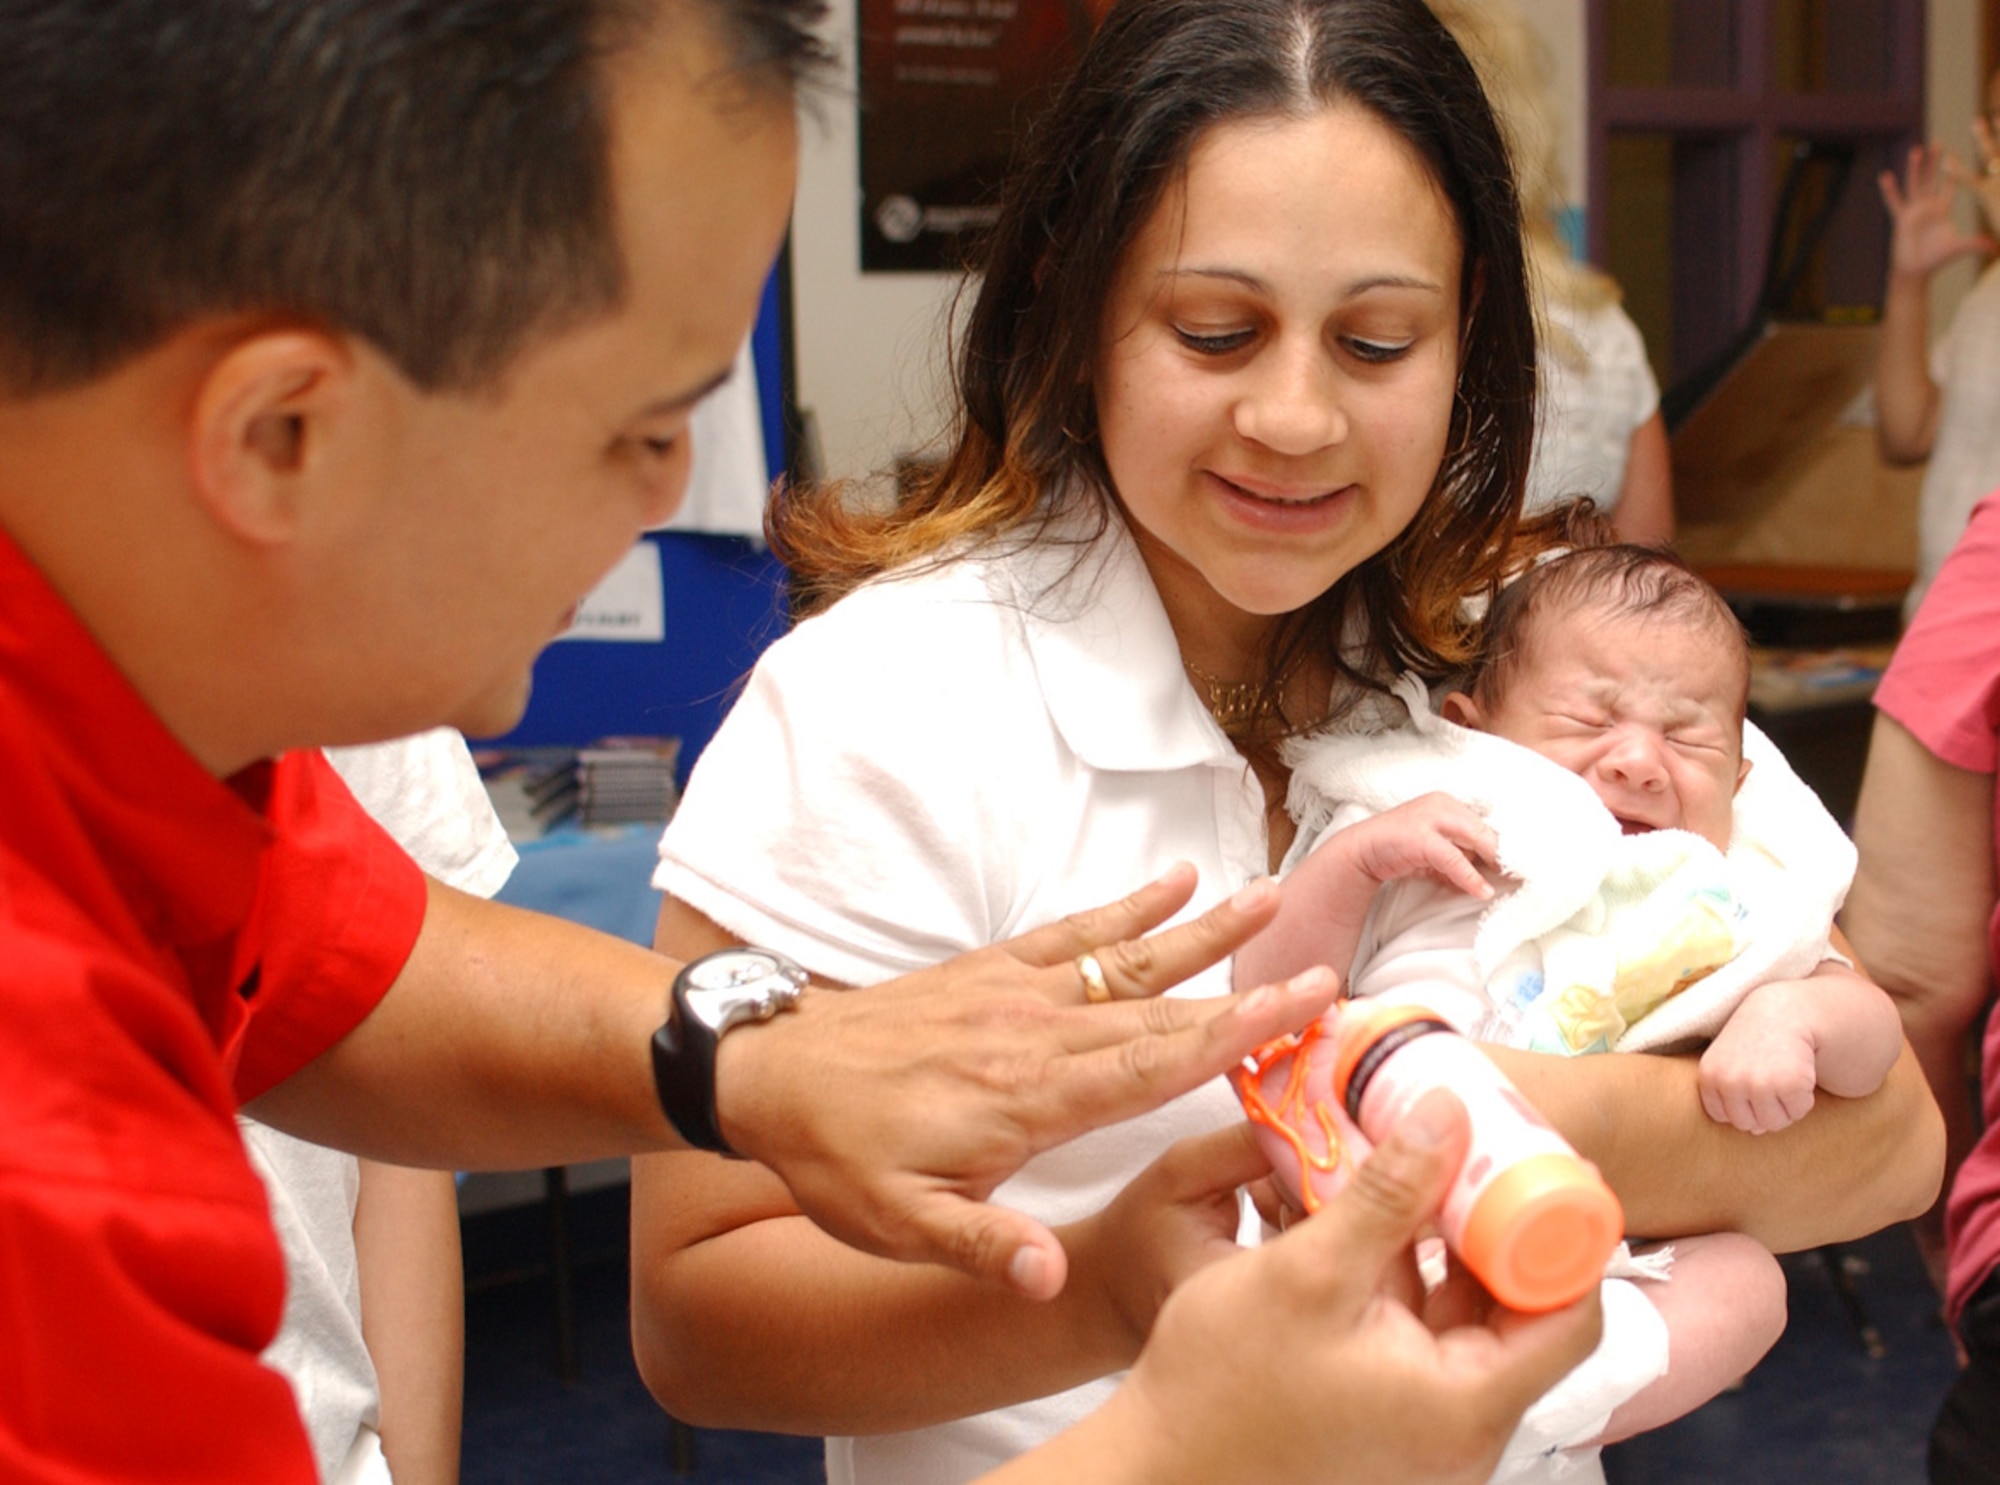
[1759,1073]
[1433,836]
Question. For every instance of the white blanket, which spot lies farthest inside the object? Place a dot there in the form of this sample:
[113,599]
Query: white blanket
[1789,863]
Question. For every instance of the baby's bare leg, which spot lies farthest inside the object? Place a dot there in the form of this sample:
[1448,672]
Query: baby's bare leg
[1724,1308]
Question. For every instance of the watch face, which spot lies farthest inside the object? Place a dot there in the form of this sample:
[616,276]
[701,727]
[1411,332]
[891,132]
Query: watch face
[737,985]
[740,969]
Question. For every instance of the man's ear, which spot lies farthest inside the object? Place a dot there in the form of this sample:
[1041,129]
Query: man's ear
[1460,708]
[259,419]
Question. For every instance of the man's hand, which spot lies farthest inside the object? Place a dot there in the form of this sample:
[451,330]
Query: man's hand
[892,1112]
[1297,1360]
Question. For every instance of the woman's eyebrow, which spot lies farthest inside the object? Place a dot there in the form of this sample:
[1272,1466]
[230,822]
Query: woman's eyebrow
[1228,275]
[1257,285]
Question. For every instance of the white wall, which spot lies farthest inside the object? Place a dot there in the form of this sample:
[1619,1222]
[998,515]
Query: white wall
[871,349]
[1560,25]
[1953,88]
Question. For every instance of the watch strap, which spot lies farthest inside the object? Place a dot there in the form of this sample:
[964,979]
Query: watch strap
[684,1077]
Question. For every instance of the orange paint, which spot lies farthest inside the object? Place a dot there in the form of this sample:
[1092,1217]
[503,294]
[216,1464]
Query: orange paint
[1293,1113]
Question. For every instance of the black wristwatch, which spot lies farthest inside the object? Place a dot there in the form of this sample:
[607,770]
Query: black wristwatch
[713,994]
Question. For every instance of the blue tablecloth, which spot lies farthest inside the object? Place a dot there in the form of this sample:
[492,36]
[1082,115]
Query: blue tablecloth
[601,878]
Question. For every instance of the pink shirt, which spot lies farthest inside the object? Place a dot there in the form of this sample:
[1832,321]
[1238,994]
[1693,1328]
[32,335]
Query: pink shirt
[1944,686]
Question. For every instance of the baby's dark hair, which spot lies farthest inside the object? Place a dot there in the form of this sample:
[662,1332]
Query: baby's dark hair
[1618,578]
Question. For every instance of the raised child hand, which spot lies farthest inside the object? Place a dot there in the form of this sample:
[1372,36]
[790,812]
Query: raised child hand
[1924,235]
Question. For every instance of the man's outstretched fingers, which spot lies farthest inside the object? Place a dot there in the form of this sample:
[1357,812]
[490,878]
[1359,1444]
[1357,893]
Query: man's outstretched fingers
[1132,1057]
[1131,915]
[1139,967]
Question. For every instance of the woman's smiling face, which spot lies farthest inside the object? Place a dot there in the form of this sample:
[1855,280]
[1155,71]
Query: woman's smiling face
[1280,356]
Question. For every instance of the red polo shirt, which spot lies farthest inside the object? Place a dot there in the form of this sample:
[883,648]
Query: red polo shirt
[170,944]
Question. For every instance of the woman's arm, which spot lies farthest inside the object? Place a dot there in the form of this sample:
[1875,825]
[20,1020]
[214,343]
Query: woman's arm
[1919,910]
[1645,510]
[406,1251]
[1906,399]
[745,1315]
[1924,893]
[1848,1168]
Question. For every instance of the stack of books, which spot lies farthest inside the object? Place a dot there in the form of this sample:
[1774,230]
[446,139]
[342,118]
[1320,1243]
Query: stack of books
[615,781]
[627,780]
[532,789]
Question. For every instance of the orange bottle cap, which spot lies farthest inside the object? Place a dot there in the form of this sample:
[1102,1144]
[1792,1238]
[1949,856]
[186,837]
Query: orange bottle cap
[1538,1237]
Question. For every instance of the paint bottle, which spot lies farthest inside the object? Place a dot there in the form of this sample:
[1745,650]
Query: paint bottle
[1525,1213]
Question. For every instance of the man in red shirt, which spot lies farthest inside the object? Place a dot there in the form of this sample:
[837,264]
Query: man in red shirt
[343,345]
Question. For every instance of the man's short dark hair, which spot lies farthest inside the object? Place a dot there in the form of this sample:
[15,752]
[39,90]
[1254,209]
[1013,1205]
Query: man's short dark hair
[429,175]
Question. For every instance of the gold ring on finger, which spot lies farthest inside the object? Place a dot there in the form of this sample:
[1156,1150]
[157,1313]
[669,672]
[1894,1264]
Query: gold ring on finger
[1096,989]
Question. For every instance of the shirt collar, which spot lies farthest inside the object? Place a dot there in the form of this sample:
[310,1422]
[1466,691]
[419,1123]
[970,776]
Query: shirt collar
[1104,651]
[181,846]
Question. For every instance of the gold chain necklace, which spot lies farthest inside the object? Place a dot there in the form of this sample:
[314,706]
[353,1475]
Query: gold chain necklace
[1235,705]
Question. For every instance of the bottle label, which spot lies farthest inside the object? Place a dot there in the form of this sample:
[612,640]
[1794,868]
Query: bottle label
[1506,1128]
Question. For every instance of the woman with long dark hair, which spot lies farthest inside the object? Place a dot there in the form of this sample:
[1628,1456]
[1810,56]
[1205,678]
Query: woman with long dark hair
[1245,403]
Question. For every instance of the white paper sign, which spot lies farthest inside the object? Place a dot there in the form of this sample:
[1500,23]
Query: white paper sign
[628,604]
[727,483]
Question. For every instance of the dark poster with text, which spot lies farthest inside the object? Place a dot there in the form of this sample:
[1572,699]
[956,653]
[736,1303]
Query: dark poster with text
[944,86]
